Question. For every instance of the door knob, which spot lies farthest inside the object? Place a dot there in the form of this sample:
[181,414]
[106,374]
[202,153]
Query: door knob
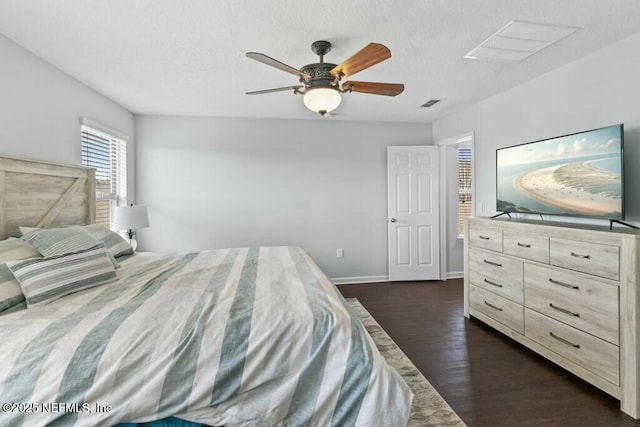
[393,220]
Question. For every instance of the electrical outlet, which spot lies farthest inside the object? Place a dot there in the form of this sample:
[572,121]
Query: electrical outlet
[340,253]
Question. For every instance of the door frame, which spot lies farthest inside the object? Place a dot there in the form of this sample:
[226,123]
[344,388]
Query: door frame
[467,138]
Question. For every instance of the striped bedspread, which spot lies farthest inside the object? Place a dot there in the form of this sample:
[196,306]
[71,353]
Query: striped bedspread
[233,337]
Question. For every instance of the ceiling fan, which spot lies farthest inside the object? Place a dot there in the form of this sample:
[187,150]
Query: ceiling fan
[321,81]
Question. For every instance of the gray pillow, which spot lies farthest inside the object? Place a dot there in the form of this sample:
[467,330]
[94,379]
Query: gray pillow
[115,243]
[12,249]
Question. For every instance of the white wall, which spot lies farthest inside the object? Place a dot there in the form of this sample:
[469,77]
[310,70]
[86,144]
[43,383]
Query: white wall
[40,109]
[598,90]
[318,184]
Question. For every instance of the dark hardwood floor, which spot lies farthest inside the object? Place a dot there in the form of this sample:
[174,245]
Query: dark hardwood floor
[488,379]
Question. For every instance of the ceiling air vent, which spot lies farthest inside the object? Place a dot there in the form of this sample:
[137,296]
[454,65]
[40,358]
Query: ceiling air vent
[519,40]
[431,102]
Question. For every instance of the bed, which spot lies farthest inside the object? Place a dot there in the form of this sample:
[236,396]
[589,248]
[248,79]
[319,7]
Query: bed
[233,337]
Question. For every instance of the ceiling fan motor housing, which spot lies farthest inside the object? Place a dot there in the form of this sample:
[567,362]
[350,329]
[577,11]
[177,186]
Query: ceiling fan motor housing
[320,75]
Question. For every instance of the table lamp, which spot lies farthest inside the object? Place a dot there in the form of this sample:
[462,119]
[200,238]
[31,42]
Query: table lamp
[130,218]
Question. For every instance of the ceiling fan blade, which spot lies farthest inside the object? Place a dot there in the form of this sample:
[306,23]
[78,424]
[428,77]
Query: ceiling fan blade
[388,89]
[370,55]
[278,89]
[261,57]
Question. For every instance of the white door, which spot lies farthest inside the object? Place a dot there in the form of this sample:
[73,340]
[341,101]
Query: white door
[413,213]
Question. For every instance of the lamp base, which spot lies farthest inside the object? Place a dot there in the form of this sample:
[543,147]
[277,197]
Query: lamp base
[132,241]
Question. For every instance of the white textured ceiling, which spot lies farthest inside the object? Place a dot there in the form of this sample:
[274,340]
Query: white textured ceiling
[187,57]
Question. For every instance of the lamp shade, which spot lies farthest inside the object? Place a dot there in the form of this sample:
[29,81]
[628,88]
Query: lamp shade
[322,99]
[130,217]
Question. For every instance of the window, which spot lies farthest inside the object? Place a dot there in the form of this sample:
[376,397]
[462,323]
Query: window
[465,187]
[107,154]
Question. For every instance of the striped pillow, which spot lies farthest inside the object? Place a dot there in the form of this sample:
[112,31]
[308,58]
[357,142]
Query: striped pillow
[46,279]
[115,243]
[55,242]
[10,293]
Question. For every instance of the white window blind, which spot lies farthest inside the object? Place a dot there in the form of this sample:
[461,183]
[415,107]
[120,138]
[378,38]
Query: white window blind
[107,154]
[465,187]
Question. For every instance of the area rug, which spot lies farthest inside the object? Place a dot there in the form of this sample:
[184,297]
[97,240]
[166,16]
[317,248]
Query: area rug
[428,408]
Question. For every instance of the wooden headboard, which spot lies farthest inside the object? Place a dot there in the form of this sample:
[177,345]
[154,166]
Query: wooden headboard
[36,193]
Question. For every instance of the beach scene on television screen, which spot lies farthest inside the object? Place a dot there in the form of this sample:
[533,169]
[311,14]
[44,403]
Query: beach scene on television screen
[572,175]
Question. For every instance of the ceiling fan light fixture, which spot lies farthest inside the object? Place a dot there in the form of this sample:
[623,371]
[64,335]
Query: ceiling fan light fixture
[322,99]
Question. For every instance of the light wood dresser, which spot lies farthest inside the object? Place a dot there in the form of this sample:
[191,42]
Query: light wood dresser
[568,292]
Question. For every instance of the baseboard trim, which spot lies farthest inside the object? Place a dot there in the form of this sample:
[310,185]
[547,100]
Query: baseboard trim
[374,279]
[358,279]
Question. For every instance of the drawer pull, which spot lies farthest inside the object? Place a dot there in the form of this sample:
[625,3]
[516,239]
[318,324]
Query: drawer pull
[566,285]
[573,254]
[485,237]
[524,245]
[564,310]
[492,263]
[493,306]
[489,282]
[562,340]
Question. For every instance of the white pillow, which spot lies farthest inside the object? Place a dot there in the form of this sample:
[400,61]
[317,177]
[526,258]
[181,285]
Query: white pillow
[25,230]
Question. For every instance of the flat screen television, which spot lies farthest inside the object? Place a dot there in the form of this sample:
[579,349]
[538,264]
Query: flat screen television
[578,175]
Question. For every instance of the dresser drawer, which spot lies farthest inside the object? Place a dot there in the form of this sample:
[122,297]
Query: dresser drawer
[501,309]
[496,273]
[596,355]
[586,304]
[485,237]
[592,258]
[526,246]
